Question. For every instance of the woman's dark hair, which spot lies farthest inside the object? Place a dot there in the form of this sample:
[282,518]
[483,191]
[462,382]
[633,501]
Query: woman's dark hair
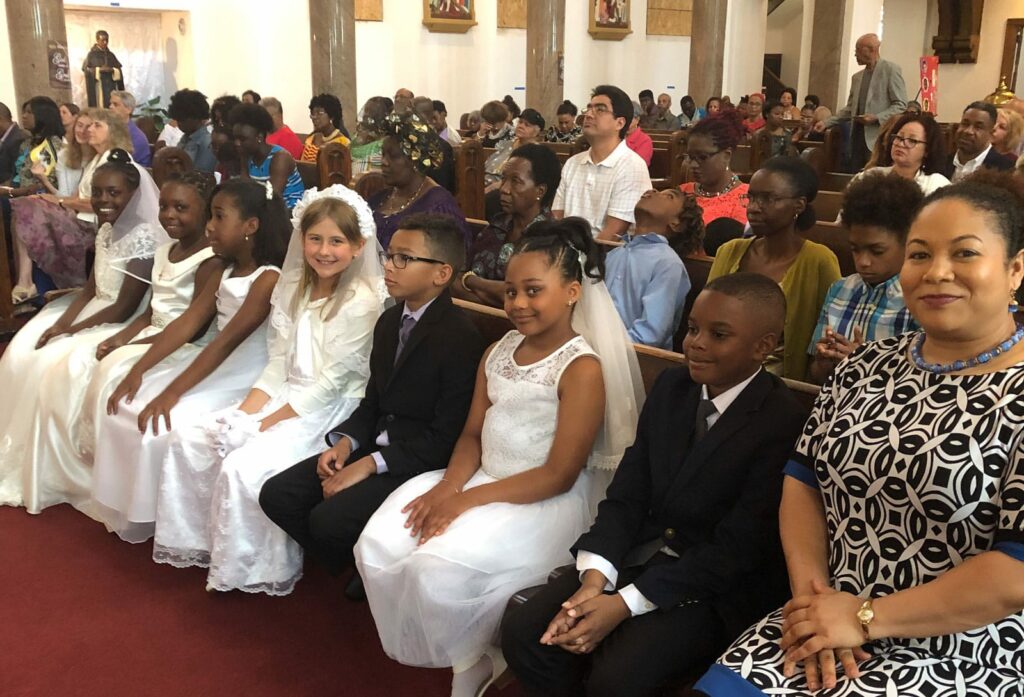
[1000,194]
[887,201]
[546,168]
[567,107]
[803,181]
[622,105]
[202,182]
[252,115]
[221,108]
[120,161]
[188,104]
[332,105]
[690,237]
[768,106]
[935,143]
[707,104]
[270,242]
[72,108]
[47,118]
[256,98]
[511,105]
[813,99]
[563,241]
[725,129]
[389,105]
[791,92]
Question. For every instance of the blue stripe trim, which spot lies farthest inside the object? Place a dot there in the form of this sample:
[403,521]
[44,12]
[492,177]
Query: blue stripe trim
[1013,549]
[719,681]
[801,473]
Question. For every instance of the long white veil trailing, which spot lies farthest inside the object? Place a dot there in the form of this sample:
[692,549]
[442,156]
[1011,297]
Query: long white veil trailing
[137,233]
[596,320]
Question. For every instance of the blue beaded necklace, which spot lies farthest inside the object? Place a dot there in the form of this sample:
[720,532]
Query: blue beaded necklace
[955,366]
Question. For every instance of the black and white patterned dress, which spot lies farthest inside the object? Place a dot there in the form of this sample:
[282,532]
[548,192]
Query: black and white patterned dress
[917,473]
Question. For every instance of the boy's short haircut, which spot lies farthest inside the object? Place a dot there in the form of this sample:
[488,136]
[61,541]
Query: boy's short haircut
[887,201]
[443,237]
[761,296]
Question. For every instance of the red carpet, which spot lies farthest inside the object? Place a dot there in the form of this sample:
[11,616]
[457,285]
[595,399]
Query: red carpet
[84,614]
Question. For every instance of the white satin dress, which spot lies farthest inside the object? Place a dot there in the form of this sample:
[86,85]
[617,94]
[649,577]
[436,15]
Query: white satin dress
[56,445]
[126,467]
[440,604]
[22,390]
[208,511]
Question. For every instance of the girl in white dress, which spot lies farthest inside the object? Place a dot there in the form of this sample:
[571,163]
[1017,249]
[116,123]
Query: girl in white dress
[125,200]
[443,554]
[179,269]
[249,228]
[325,306]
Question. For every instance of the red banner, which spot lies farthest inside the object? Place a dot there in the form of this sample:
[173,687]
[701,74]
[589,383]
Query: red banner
[929,84]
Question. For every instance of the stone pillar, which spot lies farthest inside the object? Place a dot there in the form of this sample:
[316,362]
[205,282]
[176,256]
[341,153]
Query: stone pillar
[707,50]
[828,54]
[332,40]
[34,28]
[545,45]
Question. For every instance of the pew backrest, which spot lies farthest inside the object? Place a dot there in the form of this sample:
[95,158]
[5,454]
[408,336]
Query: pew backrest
[334,162]
[469,175]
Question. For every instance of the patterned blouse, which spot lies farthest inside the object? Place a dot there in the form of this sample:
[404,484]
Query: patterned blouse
[491,249]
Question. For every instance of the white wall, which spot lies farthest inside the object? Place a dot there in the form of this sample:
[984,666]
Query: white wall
[784,35]
[745,23]
[6,71]
[907,38]
[657,63]
[862,17]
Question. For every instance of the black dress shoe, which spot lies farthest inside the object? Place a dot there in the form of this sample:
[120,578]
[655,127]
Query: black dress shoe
[354,590]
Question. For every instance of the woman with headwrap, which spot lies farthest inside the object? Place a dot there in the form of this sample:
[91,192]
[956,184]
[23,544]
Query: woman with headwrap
[410,148]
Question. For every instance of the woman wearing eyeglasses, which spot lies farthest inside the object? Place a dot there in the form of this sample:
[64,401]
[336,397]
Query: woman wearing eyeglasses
[708,151]
[778,209]
[915,151]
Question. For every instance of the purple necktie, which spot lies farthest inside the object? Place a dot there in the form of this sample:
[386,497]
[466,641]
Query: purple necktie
[408,322]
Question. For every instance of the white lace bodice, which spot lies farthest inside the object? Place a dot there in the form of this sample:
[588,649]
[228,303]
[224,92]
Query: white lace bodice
[520,424]
[173,284]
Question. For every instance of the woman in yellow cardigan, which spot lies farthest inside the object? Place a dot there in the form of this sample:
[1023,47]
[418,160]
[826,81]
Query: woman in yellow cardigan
[778,206]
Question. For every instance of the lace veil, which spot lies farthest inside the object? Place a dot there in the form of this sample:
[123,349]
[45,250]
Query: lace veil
[136,234]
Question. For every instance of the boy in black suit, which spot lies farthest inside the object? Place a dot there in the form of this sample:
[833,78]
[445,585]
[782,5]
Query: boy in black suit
[685,551]
[422,373]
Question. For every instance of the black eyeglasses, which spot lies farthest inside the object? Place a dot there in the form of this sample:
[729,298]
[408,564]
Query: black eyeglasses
[701,157]
[762,200]
[907,142]
[400,261]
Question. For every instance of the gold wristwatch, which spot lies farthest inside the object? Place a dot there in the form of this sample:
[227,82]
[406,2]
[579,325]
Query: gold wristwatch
[865,615]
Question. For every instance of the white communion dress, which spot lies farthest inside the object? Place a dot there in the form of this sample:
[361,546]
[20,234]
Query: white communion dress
[55,453]
[440,604]
[208,511]
[126,467]
[23,367]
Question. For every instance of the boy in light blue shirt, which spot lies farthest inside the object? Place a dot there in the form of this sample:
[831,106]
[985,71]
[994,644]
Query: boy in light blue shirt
[646,277]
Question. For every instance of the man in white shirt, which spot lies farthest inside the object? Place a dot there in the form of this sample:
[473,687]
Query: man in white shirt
[603,184]
[440,124]
[974,143]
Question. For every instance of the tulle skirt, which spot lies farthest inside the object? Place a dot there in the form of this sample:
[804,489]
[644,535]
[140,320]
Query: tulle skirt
[26,479]
[127,464]
[208,511]
[440,604]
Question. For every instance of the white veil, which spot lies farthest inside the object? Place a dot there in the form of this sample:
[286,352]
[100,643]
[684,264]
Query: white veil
[596,320]
[137,233]
[364,269]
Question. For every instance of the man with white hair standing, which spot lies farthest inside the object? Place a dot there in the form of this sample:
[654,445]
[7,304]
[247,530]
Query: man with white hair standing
[123,104]
[876,93]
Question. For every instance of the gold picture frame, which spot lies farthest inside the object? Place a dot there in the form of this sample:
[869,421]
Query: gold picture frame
[449,16]
[610,19]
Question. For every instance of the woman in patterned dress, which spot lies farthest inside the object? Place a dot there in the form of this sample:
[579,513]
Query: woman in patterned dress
[903,509]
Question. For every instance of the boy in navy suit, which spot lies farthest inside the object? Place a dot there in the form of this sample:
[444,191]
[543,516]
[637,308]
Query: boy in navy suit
[422,373]
[685,552]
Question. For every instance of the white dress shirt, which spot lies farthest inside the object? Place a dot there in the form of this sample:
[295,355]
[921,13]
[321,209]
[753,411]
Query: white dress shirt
[637,603]
[962,169]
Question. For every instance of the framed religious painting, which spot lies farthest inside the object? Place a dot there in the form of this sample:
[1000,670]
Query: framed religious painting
[609,19]
[451,16]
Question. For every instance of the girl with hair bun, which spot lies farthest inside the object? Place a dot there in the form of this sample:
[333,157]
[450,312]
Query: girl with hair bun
[248,229]
[565,129]
[778,209]
[709,150]
[124,198]
[554,408]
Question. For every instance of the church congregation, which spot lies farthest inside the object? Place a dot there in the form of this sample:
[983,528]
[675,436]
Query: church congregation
[611,395]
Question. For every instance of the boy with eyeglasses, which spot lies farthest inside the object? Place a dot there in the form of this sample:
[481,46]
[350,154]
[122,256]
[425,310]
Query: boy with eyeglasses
[422,373]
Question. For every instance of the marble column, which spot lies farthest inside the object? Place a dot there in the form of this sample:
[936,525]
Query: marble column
[35,28]
[707,50]
[828,53]
[545,44]
[332,40]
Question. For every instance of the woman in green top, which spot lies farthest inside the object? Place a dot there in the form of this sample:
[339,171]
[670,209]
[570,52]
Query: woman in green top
[778,207]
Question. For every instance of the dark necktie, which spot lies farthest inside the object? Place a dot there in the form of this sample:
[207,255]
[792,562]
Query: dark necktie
[408,323]
[705,409]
